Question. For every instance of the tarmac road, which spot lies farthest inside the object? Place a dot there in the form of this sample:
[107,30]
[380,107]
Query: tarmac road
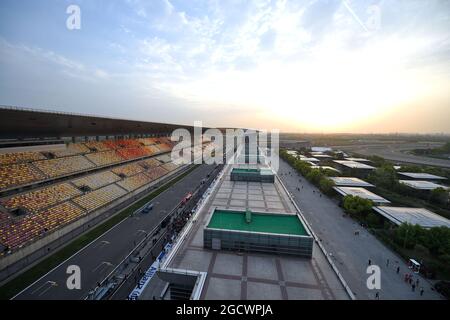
[349,252]
[97,259]
[397,152]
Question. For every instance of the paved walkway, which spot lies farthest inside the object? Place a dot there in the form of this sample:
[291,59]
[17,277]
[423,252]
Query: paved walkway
[351,253]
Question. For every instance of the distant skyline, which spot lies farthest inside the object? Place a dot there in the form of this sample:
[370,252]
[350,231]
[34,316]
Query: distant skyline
[298,66]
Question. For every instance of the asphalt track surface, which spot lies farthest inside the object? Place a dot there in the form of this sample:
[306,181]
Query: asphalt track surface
[99,258]
[348,251]
[398,152]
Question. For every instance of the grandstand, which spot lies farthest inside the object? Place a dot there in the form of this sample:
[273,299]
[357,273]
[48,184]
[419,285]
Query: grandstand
[134,182]
[97,180]
[47,188]
[61,166]
[98,198]
[22,168]
[104,158]
[18,157]
[128,170]
[36,200]
[18,174]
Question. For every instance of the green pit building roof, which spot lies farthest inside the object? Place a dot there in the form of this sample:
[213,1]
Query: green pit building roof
[263,171]
[288,224]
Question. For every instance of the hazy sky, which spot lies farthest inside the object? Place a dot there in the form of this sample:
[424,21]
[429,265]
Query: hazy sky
[320,66]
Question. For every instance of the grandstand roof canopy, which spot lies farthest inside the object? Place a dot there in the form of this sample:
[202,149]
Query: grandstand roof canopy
[324,167]
[320,155]
[422,176]
[420,216]
[360,192]
[353,164]
[350,182]
[358,159]
[310,159]
[18,123]
[321,149]
[421,184]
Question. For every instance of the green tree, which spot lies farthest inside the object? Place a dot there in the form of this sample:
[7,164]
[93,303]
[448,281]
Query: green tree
[355,205]
[385,177]
[314,176]
[326,185]
[373,220]
[439,196]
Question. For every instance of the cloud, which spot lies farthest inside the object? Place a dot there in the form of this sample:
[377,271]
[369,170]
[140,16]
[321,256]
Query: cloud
[274,59]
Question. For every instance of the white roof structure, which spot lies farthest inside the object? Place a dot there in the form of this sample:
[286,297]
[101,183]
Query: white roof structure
[325,167]
[292,152]
[362,193]
[421,184]
[321,149]
[303,158]
[350,182]
[421,176]
[358,159]
[397,167]
[354,164]
[420,216]
[320,155]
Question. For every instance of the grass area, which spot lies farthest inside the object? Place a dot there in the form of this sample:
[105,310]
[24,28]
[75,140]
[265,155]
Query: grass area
[11,288]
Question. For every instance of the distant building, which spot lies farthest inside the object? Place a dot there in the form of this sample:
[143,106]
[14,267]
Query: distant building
[353,168]
[420,176]
[419,216]
[350,182]
[295,144]
[264,232]
[421,185]
[362,193]
[359,160]
[321,149]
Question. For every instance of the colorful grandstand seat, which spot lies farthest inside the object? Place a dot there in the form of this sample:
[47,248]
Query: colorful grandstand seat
[134,182]
[61,166]
[100,197]
[128,169]
[150,163]
[18,157]
[71,150]
[17,232]
[18,174]
[96,180]
[97,146]
[156,173]
[133,153]
[104,158]
[36,200]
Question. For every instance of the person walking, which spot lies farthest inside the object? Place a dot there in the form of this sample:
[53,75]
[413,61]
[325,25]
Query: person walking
[413,286]
[421,291]
[387,263]
[377,295]
[398,270]
[370,262]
